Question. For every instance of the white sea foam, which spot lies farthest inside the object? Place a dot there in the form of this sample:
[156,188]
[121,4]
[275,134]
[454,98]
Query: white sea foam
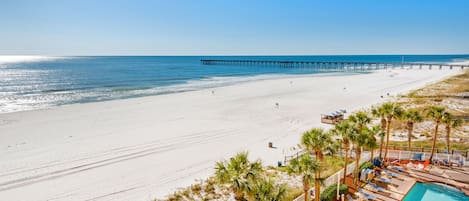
[12,102]
[459,62]
[213,82]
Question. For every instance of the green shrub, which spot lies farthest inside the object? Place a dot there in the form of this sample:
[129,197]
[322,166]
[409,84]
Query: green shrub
[366,165]
[293,193]
[331,192]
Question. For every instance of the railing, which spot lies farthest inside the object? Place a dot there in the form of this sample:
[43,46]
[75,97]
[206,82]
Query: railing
[329,65]
[288,158]
[407,155]
[464,153]
[335,177]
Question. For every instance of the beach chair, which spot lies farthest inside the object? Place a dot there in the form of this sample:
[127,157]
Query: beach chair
[366,195]
[460,163]
[445,162]
[374,186]
[388,181]
[392,174]
[349,197]
[397,168]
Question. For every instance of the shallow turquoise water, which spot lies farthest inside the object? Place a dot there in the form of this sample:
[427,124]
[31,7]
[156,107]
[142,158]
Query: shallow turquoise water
[434,192]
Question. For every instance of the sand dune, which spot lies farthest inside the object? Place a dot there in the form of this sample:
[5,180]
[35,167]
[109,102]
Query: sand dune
[144,148]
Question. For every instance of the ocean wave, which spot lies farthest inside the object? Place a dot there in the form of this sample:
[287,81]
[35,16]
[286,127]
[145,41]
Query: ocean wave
[213,82]
[13,102]
[459,62]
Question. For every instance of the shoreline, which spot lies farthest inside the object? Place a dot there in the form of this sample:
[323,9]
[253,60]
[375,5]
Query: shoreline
[139,148]
[196,85]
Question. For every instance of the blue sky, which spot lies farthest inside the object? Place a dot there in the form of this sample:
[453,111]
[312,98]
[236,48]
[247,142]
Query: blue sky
[242,27]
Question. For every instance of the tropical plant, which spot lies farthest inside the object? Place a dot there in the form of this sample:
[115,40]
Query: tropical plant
[360,140]
[307,168]
[331,192]
[238,173]
[267,190]
[379,113]
[450,122]
[436,113]
[411,116]
[366,165]
[363,136]
[390,111]
[334,146]
[360,119]
[371,143]
[316,141]
[346,131]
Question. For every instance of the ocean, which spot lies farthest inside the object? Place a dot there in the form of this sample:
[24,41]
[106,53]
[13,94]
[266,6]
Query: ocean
[28,83]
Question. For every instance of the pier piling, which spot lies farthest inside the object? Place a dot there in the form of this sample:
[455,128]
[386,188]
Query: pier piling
[328,65]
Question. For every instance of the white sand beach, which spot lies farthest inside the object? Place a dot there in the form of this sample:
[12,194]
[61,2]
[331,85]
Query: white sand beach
[144,148]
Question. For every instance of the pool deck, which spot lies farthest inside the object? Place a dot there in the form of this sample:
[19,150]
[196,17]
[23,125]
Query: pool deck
[398,188]
[456,177]
[406,178]
[394,191]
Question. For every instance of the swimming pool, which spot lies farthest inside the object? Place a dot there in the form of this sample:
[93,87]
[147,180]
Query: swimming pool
[434,192]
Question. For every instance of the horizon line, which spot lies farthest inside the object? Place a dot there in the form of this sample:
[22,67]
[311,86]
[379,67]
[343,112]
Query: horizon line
[246,55]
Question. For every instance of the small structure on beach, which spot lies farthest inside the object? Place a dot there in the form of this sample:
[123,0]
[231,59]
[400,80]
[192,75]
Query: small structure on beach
[333,117]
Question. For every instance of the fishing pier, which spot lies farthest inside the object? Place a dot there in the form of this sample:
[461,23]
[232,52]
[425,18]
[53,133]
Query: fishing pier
[335,65]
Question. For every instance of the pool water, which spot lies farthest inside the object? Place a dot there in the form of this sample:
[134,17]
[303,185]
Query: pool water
[434,192]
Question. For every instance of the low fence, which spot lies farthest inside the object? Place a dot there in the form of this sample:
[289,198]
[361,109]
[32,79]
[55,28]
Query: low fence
[288,158]
[464,153]
[335,177]
[408,155]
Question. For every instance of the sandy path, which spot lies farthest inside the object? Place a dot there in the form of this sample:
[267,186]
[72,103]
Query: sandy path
[142,148]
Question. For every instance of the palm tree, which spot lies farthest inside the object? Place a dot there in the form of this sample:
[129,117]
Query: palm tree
[316,141]
[334,146]
[371,142]
[390,111]
[307,168]
[411,116]
[360,140]
[345,130]
[381,136]
[436,113]
[238,173]
[378,112]
[450,122]
[360,118]
[360,121]
[267,190]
